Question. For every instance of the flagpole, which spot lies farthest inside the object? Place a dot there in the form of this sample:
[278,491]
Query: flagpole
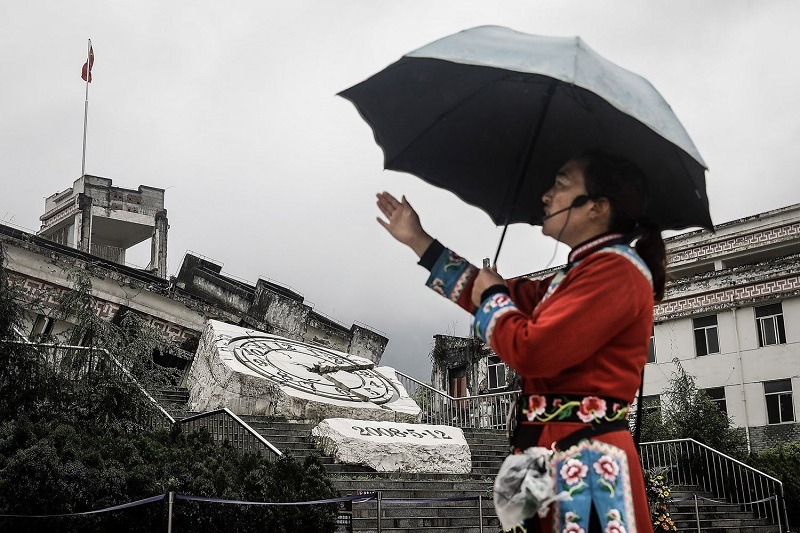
[86,106]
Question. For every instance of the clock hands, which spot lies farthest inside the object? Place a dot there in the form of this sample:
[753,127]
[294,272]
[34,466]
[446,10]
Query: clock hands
[327,368]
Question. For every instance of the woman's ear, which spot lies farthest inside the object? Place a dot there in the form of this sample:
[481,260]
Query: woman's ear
[600,207]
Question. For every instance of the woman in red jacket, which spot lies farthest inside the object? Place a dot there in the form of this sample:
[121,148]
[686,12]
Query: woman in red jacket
[578,340]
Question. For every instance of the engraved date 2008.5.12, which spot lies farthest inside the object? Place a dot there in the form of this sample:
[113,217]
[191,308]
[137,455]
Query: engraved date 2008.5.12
[395,432]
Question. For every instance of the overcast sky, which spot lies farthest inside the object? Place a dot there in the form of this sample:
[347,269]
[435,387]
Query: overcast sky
[231,107]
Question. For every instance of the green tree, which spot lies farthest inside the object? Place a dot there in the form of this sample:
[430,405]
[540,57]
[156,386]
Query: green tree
[653,426]
[28,386]
[126,340]
[687,412]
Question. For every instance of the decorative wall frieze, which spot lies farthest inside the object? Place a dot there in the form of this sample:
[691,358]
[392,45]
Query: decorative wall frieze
[734,243]
[723,298]
[48,295]
[62,213]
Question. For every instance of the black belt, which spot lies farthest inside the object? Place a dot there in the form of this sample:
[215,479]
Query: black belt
[599,415]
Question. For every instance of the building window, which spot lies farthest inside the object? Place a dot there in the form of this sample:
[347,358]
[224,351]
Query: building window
[769,319]
[651,353]
[651,404]
[42,328]
[717,395]
[497,373]
[706,339]
[778,395]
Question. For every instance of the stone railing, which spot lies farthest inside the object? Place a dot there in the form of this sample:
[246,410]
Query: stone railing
[489,411]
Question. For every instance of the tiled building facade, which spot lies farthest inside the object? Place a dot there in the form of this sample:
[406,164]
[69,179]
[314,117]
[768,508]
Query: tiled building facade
[731,316]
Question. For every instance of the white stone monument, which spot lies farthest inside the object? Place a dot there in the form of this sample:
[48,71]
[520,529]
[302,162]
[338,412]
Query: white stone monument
[251,372]
[392,447]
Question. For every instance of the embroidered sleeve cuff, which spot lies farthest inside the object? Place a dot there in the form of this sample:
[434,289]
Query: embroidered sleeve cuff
[450,274]
[494,289]
[491,309]
[431,254]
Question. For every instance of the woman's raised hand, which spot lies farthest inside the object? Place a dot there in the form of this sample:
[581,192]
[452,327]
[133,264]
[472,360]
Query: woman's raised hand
[403,222]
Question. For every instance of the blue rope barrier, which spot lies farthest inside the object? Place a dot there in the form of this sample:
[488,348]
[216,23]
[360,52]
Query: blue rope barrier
[106,510]
[358,498]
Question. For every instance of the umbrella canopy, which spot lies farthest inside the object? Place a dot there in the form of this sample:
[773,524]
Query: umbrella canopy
[491,114]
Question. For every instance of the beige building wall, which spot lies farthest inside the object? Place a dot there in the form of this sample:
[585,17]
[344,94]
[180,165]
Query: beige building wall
[746,264]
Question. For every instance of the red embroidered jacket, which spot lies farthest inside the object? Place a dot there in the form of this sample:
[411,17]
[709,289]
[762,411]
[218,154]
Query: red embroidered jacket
[588,335]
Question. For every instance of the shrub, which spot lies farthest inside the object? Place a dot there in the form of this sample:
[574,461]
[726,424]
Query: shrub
[52,468]
[783,463]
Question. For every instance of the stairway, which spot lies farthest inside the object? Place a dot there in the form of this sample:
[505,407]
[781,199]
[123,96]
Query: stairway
[171,397]
[488,449]
[714,517]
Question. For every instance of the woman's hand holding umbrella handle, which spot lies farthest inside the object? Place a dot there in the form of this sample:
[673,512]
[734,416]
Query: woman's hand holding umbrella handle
[487,277]
[403,222]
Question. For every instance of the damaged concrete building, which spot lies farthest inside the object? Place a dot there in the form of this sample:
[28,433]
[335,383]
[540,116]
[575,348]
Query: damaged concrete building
[731,316]
[89,227]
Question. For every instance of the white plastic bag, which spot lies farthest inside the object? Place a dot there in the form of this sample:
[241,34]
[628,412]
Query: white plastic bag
[524,486]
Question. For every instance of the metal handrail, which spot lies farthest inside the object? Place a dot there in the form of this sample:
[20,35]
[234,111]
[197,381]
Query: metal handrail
[690,462]
[252,433]
[444,394]
[479,411]
[369,327]
[245,426]
[22,337]
[113,359]
[724,456]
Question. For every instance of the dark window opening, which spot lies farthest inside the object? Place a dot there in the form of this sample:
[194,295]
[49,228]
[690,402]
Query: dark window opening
[706,336]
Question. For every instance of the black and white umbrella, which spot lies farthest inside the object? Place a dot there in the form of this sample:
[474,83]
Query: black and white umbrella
[491,114]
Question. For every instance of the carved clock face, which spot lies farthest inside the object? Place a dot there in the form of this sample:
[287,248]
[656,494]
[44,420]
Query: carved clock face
[311,369]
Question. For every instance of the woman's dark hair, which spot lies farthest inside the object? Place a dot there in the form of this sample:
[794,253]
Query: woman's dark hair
[625,187]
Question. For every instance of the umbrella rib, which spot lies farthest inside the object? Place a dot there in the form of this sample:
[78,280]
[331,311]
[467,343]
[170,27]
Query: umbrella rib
[688,175]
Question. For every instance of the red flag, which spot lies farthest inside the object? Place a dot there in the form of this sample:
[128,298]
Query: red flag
[86,71]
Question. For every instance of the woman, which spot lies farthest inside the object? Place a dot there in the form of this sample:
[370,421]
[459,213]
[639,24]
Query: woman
[578,340]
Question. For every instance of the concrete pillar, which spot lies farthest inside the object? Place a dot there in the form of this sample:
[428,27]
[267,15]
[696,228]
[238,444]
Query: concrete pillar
[366,343]
[83,223]
[158,245]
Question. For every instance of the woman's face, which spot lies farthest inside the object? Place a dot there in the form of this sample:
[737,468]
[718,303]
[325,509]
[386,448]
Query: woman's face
[571,226]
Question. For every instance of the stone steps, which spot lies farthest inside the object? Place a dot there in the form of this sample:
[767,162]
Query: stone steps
[171,396]
[714,517]
[488,449]
[435,516]
[416,488]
